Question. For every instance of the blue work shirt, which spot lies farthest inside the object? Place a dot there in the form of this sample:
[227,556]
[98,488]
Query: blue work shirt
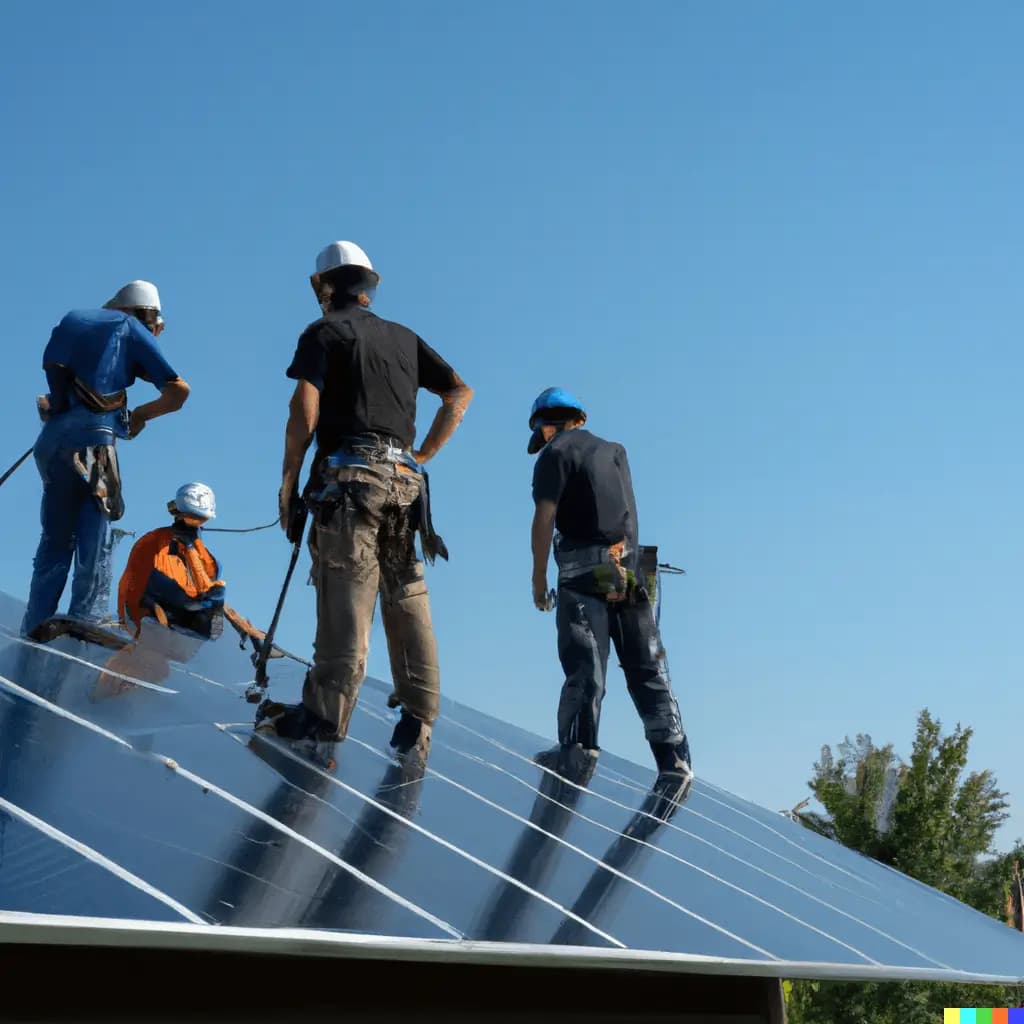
[108,351]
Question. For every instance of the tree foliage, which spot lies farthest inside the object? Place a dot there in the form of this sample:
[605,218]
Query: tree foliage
[932,820]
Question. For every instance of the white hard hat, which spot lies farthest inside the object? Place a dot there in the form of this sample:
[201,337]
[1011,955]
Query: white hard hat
[136,295]
[343,254]
[196,499]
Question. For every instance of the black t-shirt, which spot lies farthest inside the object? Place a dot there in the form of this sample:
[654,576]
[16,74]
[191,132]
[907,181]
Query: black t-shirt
[589,480]
[367,371]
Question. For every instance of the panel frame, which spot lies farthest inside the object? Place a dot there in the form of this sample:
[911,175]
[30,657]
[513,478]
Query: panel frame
[18,928]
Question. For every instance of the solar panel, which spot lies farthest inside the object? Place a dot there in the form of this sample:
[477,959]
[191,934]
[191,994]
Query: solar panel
[135,789]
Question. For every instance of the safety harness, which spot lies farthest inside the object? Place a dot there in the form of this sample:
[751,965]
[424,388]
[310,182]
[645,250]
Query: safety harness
[96,465]
[367,451]
[93,400]
[174,578]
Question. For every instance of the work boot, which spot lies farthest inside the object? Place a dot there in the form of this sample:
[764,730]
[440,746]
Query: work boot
[572,761]
[668,793]
[293,722]
[47,630]
[675,774]
[411,743]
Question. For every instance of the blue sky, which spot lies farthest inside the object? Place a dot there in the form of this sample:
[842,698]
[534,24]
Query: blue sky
[775,248]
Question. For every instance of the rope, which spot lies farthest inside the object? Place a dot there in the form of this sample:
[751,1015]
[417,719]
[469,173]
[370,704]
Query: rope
[225,529]
[3,479]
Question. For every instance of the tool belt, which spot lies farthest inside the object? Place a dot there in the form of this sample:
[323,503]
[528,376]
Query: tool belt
[598,569]
[369,451]
[98,467]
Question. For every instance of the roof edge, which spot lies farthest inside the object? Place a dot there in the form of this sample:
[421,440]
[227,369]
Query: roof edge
[53,929]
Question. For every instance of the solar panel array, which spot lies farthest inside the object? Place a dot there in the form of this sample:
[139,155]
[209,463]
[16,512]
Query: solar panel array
[132,786]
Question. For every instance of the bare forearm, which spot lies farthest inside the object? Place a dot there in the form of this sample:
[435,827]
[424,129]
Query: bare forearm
[454,404]
[540,537]
[296,442]
[242,624]
[172,397]
[303,413]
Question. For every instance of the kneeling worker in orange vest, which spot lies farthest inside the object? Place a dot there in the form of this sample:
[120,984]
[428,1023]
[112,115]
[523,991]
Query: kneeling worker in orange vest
[173,578]
[172,581]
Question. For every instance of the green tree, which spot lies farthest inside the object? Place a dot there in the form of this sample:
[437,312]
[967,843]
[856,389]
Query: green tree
[930,820]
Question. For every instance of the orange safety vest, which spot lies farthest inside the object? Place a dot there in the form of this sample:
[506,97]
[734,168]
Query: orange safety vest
[167,574]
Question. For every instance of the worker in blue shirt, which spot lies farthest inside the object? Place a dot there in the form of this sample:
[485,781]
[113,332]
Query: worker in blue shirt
[92,358]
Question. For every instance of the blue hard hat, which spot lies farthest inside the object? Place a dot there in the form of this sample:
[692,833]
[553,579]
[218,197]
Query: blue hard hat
[554,398]
[557,401]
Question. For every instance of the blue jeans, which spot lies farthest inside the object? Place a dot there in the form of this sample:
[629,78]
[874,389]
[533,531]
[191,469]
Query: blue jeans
[74,527]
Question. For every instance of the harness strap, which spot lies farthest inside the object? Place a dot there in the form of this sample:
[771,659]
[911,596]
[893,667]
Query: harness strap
[98,467]
[194,567]
[92,399]
[369,455]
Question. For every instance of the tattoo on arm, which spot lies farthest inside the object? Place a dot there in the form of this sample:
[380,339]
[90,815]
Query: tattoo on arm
[454,404]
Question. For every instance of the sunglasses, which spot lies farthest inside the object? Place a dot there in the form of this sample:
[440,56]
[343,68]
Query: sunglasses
[152,319]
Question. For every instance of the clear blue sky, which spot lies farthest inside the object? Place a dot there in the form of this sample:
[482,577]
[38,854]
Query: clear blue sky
[775,248]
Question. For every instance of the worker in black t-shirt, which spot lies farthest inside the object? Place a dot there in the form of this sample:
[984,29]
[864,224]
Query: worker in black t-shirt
[357,380]
[582,486]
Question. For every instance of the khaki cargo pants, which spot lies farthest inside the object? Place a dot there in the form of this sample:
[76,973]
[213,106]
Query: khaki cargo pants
[362,543]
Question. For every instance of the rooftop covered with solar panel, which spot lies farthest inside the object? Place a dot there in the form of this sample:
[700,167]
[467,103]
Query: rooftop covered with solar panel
[139,809]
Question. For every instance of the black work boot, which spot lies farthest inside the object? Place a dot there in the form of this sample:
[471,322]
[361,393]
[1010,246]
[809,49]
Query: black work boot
[411,744]
[293,722]
[675,774]
[572,761]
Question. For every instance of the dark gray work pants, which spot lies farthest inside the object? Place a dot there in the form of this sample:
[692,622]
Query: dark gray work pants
[587,626]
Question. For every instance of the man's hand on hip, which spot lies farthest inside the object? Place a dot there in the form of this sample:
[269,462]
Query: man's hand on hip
[136,424]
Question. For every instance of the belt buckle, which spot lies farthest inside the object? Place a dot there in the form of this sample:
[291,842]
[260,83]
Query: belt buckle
[392,454]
